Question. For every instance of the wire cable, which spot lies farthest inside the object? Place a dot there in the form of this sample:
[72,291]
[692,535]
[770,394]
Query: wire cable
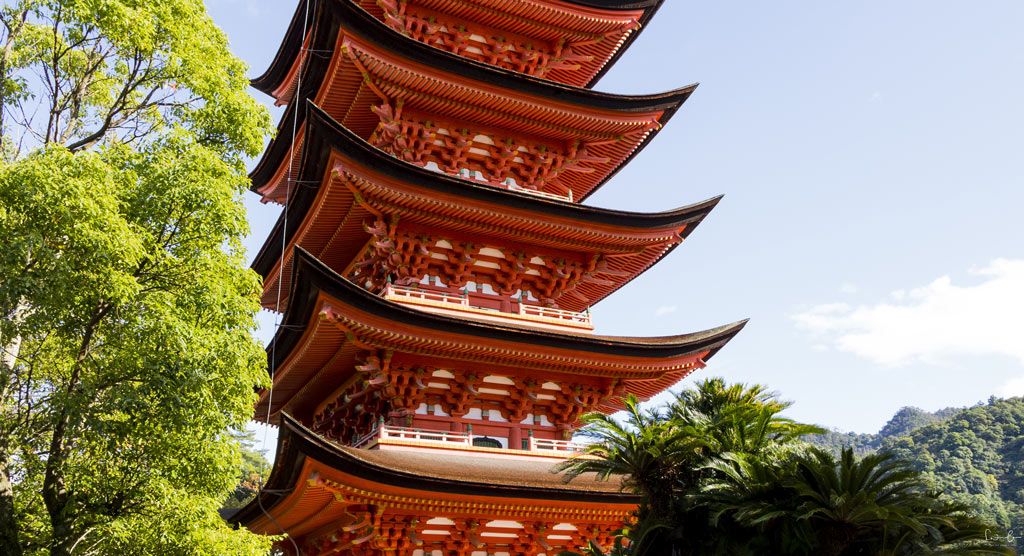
[289,180]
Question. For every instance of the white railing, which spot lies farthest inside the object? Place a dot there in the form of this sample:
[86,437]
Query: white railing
[366,438]
[551,313]
[513,187]
[540,444]
[469,175]
[420,435]
[386,432]
[426,295]
[462,301]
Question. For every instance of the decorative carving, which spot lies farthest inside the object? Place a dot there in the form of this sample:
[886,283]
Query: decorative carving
[361,536]
[458,399]
[397,534]
[355,411]
[532,539]
[405,257]
[383,391]
[406,390]
[532,58]
[573,400]
[409,387]
[461,151]
[388,258]
[373,528]
[465,536]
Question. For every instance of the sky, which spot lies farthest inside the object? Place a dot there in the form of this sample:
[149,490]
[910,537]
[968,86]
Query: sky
[869,154]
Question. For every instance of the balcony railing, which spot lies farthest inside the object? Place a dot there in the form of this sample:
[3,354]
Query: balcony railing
[513,187]
[552,313]
[567,446]
[420,435]
[426,295]
[454,301]
[458,439]
[509,184]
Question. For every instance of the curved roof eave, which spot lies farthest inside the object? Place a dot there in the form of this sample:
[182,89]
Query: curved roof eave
[324,133]
[650,8]
[296,443]
[369,27]
[283,59]
[313,277]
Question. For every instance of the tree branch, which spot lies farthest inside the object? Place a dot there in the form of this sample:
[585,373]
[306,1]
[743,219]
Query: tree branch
[55,495]
[5,60]
[135,77]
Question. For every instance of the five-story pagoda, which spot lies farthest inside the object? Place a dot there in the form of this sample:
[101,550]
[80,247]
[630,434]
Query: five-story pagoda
[435,272]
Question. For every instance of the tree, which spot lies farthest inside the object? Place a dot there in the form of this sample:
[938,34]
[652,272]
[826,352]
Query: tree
[646,450]
[818,504]
[736,418]
[974,455]
[253,472]
[977,457]
[663,454]
[720,471]
[128,354]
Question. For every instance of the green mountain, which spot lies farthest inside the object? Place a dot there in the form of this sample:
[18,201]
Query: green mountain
[976,455]
[905,421]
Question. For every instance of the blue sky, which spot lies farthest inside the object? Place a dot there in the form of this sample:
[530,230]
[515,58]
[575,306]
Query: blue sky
[869,153]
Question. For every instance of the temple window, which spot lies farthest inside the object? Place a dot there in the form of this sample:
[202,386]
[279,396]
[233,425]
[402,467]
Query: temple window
[486,442]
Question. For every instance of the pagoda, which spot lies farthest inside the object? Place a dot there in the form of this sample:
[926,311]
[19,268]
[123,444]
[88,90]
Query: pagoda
[434,270]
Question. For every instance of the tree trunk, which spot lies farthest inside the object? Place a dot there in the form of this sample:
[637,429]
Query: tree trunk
[9,543]
[9,538]
[55,494]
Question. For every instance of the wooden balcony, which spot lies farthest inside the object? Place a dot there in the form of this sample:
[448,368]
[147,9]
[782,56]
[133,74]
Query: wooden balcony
[386,434]
[524,314]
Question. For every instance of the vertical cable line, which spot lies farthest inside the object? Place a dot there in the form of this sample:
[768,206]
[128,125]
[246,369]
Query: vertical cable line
[289,180]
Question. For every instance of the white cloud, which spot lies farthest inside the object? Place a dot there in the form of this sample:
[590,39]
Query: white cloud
[1013,388]
[820,318]
[931,323]
[665,310]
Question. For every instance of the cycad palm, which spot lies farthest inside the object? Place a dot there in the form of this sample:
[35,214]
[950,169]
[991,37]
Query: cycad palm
[646,450]
[737,418]
[742,493]
[822,505]
[881,505]
[662,456]
[722,472]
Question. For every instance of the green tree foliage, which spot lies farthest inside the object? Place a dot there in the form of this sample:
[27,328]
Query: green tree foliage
[908,420]
[663,453]
[720,471]
[253,472]
[974,455]
[822,505]
[977,457]
[128,354]
[905,421]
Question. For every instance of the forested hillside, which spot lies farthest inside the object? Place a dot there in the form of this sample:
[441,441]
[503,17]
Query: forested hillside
[905,421]
[976,455]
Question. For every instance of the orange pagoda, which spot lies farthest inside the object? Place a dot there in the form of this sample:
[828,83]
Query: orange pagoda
[435,272]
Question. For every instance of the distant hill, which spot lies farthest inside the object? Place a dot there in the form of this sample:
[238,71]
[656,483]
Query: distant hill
[905,421]
[976,455]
